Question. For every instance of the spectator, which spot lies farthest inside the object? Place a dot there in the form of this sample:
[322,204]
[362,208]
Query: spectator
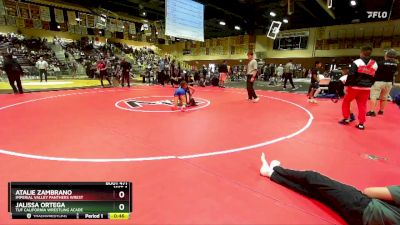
[384,78]
[223,73]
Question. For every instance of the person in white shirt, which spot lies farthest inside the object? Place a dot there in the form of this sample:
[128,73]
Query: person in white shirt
[43,66]
[279,71]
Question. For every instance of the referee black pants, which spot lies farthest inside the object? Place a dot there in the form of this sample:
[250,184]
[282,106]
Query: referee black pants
[250,88]
[347,201]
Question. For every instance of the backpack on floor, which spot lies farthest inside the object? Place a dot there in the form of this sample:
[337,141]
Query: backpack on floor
[397,99]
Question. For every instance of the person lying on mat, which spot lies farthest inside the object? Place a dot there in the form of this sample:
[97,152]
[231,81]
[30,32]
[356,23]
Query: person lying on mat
[373,206]
[182,96]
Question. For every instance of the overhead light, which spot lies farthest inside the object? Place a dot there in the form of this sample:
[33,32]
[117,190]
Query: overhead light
[285,21]
[123,27]
[353,3]
[143,13]
[78,19]
[272,14]
[237,28]
[58,27]
[100,32]
[222,23]
[157,32]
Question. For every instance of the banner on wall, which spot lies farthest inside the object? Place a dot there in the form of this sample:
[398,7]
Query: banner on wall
[45,14]
[35,11]
[46,25]
[10,7]
[2,8]
[83,19]
[71,18]
[37,24]
[90,21]
[84,30]
[10,20]
[132,28]
[28,23]
[23,9]
[2,21]
[120,26]
[59,15]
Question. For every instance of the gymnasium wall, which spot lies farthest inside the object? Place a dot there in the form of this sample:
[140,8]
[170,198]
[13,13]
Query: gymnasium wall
[335,41]
[49,35]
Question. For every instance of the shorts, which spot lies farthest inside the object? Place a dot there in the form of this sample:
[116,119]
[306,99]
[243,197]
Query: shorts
[180,92]
[222,76]
[314,85]
[380,90]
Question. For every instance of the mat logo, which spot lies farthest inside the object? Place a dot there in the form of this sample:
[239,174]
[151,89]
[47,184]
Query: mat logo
[377,14]
[156,104]
[136,103]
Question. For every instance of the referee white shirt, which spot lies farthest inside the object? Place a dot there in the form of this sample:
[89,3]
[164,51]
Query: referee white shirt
[42,65]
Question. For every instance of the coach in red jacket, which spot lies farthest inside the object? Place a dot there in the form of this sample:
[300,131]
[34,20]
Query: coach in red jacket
[359,82]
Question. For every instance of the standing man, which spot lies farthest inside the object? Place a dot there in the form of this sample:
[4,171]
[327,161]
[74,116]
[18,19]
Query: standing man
[102,67]
[384,78]
[359,82]
[251,77]
[14,72]
[289,69]
[223,73]
[43,66]
[126,68]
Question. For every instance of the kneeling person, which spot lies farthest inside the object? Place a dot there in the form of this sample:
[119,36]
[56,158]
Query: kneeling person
[182,95]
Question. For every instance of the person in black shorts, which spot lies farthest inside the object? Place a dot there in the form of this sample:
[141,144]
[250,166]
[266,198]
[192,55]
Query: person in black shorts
[373,206]
[314,82]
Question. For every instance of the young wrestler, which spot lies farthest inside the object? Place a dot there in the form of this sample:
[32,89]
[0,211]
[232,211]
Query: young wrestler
[373,206]
[314,82]
[182,95]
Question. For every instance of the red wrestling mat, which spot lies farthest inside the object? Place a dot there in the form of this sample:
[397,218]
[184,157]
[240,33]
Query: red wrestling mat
[196,167]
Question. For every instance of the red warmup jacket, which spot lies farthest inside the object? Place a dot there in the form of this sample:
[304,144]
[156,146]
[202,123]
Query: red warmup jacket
[362,73]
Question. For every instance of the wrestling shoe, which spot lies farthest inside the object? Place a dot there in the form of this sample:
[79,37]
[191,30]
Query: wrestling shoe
[256,100]
[344,122]
[371,113]
[380,112]
[360,126]
[183,109]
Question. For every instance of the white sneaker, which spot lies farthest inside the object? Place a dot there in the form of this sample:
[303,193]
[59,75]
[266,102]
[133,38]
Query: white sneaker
[256,100]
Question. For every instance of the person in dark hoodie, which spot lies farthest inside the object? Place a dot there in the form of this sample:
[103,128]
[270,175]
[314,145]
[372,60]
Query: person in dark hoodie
[14,73]
[359,82]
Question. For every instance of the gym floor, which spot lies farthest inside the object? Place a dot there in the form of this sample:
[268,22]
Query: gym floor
[195,167]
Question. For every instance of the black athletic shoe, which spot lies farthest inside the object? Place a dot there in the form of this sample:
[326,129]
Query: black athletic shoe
[352,117]
[380,112]
[371,113]
[360,126]
[344,122]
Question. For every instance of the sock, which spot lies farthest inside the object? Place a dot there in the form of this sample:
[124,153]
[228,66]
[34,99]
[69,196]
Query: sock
[273,164]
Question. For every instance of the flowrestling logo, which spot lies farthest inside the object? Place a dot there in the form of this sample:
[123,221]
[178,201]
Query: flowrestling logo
[156,104]
[377,14]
